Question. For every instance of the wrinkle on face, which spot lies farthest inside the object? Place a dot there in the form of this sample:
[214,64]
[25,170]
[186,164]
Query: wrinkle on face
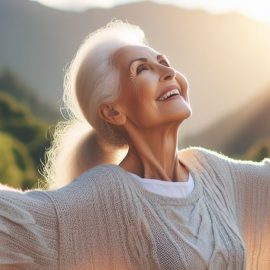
[138,92]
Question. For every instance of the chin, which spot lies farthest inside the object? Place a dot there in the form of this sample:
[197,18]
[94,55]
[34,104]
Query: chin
[179,118]
[184,114]
[189,112]
[185,111]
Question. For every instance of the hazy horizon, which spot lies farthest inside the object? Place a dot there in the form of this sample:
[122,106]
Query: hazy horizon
[258,10]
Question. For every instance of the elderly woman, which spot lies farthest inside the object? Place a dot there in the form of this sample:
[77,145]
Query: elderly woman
[137,202]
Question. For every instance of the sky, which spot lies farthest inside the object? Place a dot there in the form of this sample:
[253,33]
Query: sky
[256,9]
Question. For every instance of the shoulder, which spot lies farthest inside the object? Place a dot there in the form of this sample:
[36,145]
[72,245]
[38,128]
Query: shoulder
[217,161]
[202,159]
[203,155]
[95,184]
[98,175]
[219,157]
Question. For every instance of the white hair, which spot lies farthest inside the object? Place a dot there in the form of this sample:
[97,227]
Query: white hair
[90,80]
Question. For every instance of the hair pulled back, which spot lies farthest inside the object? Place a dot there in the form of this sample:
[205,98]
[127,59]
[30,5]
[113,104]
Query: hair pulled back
[83,140]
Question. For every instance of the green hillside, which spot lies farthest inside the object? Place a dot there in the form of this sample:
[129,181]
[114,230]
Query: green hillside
[11,84]
[23,140]
[16,165]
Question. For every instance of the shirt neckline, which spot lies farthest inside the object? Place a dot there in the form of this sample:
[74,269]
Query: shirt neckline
[161,182]
[195,194]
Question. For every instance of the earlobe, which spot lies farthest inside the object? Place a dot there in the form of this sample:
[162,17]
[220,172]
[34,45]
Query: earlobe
[111,114]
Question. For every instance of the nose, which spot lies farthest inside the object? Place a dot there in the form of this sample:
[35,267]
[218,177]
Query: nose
[167,73]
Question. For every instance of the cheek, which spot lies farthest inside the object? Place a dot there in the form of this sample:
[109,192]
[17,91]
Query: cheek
[139,100]
[144,111]
[147,80]
[142,108]
[145,88]
[145,93]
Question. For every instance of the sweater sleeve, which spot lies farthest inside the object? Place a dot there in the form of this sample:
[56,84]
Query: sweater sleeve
[251,183]
[28,230]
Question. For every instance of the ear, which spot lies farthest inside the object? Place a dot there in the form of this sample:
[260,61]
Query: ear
[112,114]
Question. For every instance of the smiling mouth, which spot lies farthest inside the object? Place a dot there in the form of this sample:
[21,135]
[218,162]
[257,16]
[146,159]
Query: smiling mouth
[169,94]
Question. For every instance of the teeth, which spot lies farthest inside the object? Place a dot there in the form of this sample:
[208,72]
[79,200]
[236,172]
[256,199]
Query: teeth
[168,94]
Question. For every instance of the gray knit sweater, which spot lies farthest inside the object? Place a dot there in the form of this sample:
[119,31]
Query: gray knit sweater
[107,220]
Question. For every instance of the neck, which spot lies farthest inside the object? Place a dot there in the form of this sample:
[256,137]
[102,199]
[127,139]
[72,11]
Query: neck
[154,156]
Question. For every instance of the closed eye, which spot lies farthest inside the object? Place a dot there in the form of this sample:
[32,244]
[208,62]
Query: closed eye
[141,67]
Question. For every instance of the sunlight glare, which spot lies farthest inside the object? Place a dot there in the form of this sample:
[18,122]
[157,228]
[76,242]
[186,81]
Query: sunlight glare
[256,9]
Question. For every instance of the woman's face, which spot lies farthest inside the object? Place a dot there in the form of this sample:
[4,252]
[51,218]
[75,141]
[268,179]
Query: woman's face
[145,76]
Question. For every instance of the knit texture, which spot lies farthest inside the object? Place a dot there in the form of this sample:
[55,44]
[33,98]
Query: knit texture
[28,231]
[106,220]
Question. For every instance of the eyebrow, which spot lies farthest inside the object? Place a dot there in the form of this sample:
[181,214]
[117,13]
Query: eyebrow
[145,59]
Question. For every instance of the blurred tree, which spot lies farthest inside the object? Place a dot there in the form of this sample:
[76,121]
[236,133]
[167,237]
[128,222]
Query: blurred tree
[259,150]
[28,134]
[16,166]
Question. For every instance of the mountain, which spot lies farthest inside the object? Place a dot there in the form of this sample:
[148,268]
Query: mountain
[11,84]
[240,130]
[226,57]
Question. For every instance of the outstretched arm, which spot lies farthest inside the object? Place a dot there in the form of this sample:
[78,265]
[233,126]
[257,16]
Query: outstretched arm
[28,230]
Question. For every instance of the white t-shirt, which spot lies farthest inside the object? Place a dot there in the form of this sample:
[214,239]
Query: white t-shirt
[165,188]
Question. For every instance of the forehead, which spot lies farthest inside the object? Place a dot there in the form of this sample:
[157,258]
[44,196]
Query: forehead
[124,55]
